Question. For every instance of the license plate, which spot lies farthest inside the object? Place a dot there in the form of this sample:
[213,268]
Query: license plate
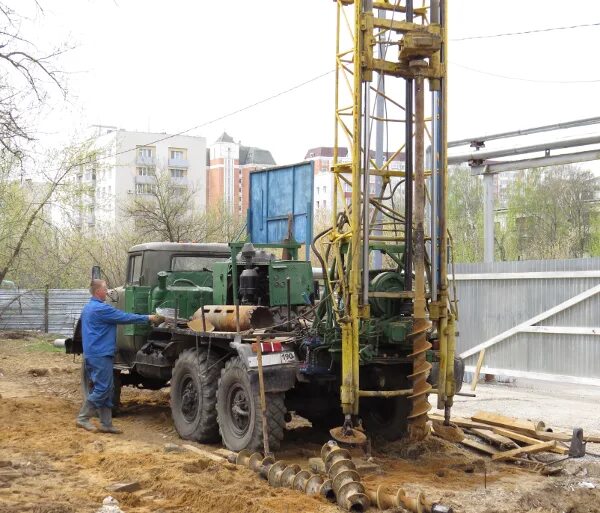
[273,359]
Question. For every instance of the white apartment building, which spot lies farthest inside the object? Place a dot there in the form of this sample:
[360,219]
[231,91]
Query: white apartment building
[128,165]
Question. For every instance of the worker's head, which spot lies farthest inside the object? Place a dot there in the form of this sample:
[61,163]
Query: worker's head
[98,289]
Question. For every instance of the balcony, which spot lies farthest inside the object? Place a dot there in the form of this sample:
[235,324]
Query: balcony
[181,182]
[179,163]
[145,160]
[145,179]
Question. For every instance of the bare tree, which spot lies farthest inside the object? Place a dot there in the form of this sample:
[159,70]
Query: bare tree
[27,75]
[166,209]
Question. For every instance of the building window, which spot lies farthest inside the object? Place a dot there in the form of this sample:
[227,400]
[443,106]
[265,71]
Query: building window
[145,152]
[318,205]
[324,203]
[177,154]
[146,171]
[318,190]
[177,173]
[324,189]
[145,188]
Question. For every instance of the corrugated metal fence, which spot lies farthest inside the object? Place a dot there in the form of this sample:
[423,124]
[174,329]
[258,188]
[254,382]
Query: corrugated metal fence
[537,319]
[54,310]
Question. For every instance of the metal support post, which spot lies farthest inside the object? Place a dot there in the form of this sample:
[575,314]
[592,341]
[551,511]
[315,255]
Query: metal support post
[488,217]
[379,127]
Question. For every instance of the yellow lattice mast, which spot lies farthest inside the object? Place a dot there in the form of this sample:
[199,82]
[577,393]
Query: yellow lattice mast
[406,44]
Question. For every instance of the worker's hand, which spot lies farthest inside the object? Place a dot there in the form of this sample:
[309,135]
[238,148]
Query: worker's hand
[156,319]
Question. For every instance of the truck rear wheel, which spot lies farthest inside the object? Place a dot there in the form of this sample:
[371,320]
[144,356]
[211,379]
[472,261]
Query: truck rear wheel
[239,413]
[193,395]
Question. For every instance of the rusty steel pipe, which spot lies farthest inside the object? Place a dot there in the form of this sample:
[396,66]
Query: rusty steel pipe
[345,481]
[223,317]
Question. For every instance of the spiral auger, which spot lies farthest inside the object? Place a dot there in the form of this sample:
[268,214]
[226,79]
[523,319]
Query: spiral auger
[418,504]
[417,427]
[281,475]
[348,490]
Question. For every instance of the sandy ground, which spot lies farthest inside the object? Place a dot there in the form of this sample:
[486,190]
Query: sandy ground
[49,466]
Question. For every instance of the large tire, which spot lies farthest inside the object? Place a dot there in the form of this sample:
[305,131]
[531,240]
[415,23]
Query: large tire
[239,414]
[386,418]
[193,395]
[87,385]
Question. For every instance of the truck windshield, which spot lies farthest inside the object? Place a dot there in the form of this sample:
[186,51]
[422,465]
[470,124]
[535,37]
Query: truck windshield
[194,263]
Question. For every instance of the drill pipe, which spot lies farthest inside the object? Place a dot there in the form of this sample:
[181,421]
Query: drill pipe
[417,504]
[345,480]
[417,427]
[281,475]
[222,317]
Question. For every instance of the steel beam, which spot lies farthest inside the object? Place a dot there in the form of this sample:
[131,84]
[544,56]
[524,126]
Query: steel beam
[527,131]
[481,156]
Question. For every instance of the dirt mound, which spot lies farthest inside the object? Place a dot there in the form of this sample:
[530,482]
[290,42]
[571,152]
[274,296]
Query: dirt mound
[559,499]
[406,449]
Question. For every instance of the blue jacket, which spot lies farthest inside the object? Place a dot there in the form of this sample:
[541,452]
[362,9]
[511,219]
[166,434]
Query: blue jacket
[99,327]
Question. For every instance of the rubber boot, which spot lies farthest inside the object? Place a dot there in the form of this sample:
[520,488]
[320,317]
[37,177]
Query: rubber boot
[106,425]
[83,419]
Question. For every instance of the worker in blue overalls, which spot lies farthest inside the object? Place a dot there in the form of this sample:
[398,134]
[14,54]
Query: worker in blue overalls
[99,329]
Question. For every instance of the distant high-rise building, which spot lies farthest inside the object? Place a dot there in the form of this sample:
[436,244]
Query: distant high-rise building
[229,165]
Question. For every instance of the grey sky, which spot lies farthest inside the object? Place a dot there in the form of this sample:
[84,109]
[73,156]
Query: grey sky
[168,66]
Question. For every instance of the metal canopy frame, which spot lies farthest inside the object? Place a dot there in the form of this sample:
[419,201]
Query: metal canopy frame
[478,160]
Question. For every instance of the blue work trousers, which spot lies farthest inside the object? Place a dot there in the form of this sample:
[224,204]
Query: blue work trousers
[99,370]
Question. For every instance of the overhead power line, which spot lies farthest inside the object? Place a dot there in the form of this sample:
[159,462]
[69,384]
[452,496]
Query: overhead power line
[525,32]
[219,118]
[524,79]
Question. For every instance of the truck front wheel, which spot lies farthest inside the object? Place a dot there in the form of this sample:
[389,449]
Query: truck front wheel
[239,413]
[193,395]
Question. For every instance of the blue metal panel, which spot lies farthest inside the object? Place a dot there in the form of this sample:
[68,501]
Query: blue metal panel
[274,194]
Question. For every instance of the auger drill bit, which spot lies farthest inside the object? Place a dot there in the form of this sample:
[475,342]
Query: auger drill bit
[400,499]
[281,475]
[348,490]
[417,427]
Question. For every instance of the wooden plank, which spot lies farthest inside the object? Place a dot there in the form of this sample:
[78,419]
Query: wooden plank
[477,370]
[533,320]
[543,446]
[564,437]
[459,421]
[495,438]
[520,437]
[205,454]
[488,449]
[495,419]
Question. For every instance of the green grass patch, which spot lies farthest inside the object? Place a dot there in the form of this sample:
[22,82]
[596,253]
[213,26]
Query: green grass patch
[41,347]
